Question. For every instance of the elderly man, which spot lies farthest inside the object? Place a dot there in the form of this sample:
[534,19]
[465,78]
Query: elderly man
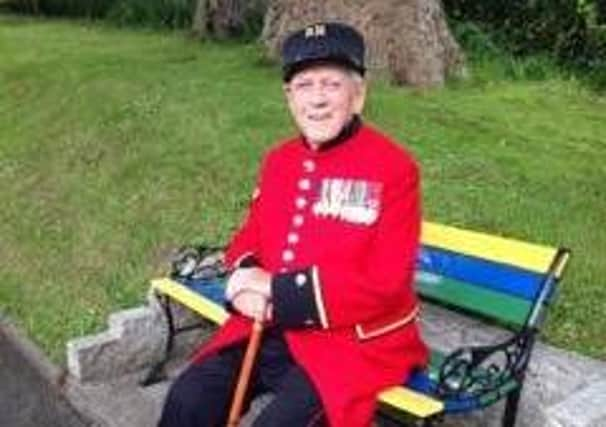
[325,258]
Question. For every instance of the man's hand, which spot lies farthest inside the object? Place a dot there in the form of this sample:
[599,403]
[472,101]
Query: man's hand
[249,290]
[253,305]
[249,279]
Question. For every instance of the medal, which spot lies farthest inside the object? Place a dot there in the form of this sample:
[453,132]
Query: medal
[350,200]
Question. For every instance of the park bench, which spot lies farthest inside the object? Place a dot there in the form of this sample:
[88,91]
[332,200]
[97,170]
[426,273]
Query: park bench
[500,281]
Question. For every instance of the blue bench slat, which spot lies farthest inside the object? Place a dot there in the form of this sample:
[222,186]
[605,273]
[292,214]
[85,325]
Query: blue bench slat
[426,382]
[488,274]
[497,277]
[213,289]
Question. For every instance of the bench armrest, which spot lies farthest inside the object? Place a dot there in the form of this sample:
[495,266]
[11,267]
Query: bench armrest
[486,372]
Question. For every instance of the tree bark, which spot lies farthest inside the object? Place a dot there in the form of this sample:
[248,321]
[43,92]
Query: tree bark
[29,6]
[224,18]
[200,20]
[408,39]
[601,9]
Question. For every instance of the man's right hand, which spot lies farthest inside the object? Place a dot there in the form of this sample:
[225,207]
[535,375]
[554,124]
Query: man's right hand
[252,279]
[252,304]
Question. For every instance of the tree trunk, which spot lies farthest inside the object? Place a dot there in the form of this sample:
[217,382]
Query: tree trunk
[35,7]
[409,39]
[199,27]
[28,6]
[228,17]
[601,9]
[225,18]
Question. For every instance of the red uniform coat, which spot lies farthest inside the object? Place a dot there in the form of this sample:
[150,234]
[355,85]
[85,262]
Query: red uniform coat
[350,216]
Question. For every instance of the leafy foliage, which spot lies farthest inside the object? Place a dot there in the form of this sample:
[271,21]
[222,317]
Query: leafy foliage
[572,32]
[567,30]
[70,8]
[156,13]
[173,14]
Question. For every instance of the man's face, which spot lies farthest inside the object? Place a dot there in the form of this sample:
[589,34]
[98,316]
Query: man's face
[323,99]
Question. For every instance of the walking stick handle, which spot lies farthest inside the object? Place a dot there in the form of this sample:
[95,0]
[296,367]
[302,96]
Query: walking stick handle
[244,377]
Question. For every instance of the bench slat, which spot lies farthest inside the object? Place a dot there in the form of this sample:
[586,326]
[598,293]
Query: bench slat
[498,306]
[411,401]
[211,308]
[480,272]
[426,382]
[517,253]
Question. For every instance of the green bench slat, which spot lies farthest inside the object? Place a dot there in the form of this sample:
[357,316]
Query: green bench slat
[505,308]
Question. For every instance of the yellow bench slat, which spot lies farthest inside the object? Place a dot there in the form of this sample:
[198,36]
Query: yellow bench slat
[411,401]
[528,256]
[203,306]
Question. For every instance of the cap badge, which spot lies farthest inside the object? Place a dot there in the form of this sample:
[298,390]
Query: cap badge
[318,30]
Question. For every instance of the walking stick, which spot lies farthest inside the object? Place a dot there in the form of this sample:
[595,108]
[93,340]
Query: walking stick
[244,377]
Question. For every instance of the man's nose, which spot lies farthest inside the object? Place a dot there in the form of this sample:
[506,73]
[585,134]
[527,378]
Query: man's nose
[318,97]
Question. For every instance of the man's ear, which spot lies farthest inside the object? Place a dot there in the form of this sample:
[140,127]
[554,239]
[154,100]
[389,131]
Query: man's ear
[286,89]
[288,94]
[359,97]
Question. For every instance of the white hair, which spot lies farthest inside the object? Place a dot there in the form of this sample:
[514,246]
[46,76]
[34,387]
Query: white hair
[355,76]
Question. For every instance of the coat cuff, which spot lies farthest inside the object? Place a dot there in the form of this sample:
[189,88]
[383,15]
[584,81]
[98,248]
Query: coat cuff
[297,300]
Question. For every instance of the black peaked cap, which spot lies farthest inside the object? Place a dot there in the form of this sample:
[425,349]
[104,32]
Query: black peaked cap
[330,42]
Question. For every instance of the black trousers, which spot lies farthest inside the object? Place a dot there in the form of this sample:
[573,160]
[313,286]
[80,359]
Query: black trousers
[202,394]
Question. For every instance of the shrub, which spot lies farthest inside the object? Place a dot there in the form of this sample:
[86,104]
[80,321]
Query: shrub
[528,26]
[156,13]
[475,40]
[71,8]
[567,31]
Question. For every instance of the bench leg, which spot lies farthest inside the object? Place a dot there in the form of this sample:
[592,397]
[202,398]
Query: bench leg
[511,408]
[156,372]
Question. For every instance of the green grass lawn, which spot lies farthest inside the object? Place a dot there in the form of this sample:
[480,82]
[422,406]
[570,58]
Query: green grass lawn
[116,146]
